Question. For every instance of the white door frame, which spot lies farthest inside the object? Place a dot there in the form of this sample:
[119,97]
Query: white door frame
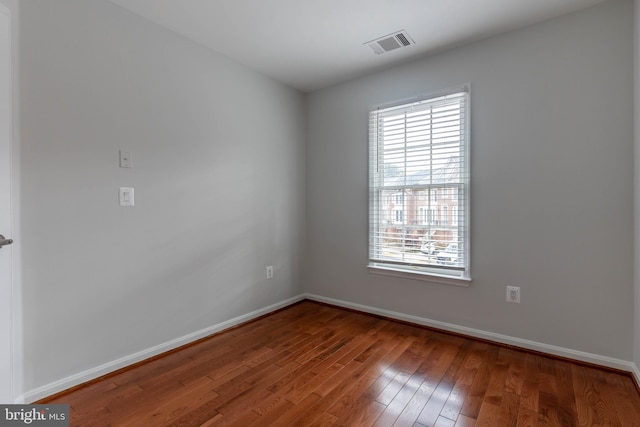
[13,295]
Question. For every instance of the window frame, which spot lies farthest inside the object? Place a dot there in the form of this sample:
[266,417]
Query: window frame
[443,275]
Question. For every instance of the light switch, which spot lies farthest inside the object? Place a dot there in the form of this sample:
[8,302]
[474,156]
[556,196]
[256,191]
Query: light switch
[126,196]
[125,159]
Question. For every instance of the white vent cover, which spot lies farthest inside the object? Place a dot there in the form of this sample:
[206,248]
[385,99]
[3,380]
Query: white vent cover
[390,42]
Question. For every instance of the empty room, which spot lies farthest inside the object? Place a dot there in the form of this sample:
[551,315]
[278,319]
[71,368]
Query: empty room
[300,213]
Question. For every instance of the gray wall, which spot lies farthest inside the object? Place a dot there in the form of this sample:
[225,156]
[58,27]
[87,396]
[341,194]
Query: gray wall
[218,172]
[552,184]
[218,199]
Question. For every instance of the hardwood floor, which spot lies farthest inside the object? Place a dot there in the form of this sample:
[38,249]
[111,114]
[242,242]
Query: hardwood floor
[316,365]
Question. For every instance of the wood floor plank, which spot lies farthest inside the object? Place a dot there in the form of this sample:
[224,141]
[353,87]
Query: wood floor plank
[204,414]
[210,422]
[431,412]
[464,421]
[348,401]
[390,351]
[592,403]
[128,410]
[180,403]
[305,345]
[489,415]
[361,415]
[444,422]
[391,390]
[434,368]
[99,417]
[461,389]
[566,411]
[496,384]
[622,393]
[291,417]
[528,418]
[109,399]
[354,379]
[473,402]
[324,420]
[509,407]
[270,410]
[396,407]
[414,408]
[515,373]
[316,365]
[529,396]
[360,405]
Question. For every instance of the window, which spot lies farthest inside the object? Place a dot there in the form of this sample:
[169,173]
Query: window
[423,216]
[419,151]
[444,215]
[431,213]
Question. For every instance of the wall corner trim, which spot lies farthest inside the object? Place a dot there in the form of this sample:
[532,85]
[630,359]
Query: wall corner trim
[106,368]
[635,371]
[577,355]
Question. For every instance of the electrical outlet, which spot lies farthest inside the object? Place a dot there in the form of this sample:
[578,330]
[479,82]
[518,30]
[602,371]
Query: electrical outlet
[513,294]
[270,272]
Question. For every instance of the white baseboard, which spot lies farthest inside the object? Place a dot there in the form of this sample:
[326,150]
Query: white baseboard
[98,371]
[595,359]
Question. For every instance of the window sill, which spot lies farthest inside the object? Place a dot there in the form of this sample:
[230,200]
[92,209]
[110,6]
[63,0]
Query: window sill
[420,275]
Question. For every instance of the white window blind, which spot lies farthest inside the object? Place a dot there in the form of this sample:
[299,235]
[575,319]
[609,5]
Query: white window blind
[419,179]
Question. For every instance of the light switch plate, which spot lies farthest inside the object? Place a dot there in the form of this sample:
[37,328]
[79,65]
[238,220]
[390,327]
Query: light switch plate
[126,196]
[125,159]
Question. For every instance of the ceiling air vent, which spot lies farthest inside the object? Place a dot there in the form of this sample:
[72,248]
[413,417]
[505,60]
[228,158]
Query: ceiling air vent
[390,42]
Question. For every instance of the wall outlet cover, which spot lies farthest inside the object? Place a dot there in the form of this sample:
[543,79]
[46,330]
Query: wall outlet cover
[513,294]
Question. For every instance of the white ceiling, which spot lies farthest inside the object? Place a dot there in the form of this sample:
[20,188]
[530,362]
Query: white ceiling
[310,44]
